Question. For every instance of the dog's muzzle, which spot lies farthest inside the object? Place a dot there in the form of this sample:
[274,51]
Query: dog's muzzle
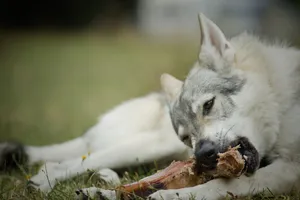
[206,154]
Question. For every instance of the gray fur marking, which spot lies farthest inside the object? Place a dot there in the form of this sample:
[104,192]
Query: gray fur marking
[203,81]
[199,82]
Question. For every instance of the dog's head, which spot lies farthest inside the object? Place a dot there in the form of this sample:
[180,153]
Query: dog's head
[215,107]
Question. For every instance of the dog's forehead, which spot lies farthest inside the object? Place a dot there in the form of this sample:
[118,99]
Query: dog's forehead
[199,82]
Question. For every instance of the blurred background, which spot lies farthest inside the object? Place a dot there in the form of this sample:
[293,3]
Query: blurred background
[63,63]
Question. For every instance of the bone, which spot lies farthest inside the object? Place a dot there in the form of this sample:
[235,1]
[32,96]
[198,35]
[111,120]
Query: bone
[181,174]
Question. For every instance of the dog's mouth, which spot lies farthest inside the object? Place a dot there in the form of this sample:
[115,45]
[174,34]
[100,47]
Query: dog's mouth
[249,154]
[246,149]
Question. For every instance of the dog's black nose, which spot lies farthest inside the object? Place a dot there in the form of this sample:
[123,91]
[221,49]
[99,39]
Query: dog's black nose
[206,155]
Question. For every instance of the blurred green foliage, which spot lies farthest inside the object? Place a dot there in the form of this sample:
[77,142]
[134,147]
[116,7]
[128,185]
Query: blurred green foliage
[54,86]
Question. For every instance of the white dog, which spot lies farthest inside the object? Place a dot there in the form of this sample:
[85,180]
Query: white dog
[240,91]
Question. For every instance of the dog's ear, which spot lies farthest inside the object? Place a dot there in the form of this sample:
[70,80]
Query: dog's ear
[212,37]
[171,86]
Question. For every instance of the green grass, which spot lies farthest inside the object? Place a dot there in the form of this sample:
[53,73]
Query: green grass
[54,86]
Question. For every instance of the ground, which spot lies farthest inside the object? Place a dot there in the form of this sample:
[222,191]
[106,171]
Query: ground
[54,86]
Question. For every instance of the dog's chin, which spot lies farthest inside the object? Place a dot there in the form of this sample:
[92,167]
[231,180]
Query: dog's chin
[249,154]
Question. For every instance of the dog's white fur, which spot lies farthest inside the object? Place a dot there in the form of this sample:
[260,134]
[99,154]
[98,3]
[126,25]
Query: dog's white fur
[136,132]
[140,130]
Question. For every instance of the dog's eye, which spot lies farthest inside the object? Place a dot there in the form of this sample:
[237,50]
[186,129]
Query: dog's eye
[185,138]
[208,106]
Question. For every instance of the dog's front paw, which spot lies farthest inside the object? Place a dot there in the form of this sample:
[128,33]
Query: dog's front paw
[41,182]
[171,194]
[109,176]
[46,178]
[40,186]
[95,193]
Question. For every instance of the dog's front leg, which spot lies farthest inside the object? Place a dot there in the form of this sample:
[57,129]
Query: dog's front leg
[146,147]
[279,177]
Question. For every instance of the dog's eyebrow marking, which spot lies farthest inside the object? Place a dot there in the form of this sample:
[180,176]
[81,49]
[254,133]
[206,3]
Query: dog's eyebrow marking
[232,85]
